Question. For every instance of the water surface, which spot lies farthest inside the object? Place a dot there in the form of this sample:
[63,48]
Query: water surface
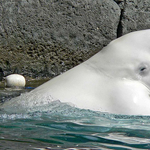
[60,126]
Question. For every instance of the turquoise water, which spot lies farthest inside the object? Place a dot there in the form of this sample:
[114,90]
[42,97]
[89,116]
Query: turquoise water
[60,126]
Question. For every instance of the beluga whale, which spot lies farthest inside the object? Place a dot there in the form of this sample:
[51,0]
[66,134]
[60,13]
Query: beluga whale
[115,80]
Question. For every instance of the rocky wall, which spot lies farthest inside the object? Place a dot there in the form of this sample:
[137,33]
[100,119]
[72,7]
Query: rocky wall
[42,38]
[135,15]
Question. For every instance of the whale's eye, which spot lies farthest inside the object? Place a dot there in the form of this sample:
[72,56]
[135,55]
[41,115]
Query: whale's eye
[143,69]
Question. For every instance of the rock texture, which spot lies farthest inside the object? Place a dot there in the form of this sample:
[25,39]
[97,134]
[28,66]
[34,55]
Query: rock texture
[46,37]
[135,15]
[40,38]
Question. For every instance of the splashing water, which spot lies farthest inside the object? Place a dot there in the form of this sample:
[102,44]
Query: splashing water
[57,125]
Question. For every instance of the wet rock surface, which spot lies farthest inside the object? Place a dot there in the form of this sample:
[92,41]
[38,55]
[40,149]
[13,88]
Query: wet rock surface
[40,38]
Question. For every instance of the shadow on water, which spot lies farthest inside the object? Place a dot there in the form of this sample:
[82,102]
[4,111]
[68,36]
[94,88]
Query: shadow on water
[61,126]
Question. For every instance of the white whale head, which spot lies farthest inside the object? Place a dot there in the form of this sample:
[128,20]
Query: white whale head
[126,57]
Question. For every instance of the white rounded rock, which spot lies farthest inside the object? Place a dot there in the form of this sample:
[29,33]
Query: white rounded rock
[15,81]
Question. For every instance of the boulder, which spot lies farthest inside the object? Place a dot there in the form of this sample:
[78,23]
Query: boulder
[135,15]
[45,38]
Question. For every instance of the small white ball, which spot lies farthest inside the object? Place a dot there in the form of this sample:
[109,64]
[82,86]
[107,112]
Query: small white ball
[15,80]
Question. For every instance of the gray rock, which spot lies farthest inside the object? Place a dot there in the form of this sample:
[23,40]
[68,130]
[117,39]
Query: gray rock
[135,15]
[44,38]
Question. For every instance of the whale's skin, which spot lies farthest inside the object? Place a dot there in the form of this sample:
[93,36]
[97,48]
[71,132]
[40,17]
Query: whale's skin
[115,80]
